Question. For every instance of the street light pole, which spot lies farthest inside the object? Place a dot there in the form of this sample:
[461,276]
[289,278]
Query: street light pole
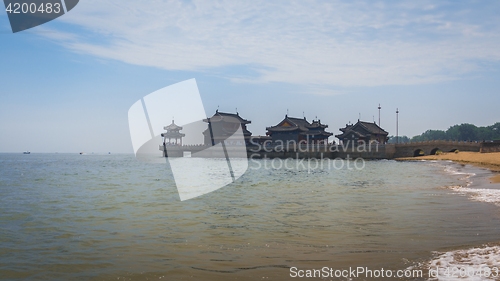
[379,132]
[397,125]
[379,114]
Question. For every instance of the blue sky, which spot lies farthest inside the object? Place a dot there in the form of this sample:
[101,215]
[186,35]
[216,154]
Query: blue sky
[66,86]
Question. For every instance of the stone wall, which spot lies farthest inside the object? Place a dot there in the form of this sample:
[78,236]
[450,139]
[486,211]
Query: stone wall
[431,147]
[374,151]
[487,147]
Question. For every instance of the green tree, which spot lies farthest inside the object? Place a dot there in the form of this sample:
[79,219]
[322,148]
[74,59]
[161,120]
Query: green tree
[430,135]
[399,139]
[462,132]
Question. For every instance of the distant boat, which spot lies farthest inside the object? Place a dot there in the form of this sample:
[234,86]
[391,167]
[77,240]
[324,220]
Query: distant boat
[26,152]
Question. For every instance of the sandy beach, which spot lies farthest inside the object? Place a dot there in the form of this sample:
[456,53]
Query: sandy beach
[484,160]
[496,179]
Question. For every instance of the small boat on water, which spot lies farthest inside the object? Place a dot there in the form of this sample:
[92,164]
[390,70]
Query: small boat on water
[26,152]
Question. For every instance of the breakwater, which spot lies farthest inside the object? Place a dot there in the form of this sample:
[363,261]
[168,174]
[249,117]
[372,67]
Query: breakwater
[331,151]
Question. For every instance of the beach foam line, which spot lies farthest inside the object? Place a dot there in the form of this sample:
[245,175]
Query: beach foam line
[479,194]
[450,169]
[479,263]
[486,195]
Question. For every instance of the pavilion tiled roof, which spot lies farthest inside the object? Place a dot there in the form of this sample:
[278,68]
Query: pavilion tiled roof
[358,134]
[172,127]
[371,128]
[300,124]
[296,124]
[231,117]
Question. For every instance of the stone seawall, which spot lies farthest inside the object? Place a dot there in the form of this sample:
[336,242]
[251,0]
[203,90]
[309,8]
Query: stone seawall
[488,147]
[413,149]
[373,151]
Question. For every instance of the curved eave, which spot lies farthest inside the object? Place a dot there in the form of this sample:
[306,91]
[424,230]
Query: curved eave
[282,129]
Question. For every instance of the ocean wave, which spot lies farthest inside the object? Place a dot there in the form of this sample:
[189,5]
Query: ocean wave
[486,195]
[451,169]
[479,194]
[480,263]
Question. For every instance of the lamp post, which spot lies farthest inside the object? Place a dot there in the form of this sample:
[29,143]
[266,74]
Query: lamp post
[379,114]
[379,128]
[397,125]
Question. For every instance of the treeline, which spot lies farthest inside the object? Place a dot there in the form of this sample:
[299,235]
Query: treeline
[462,132]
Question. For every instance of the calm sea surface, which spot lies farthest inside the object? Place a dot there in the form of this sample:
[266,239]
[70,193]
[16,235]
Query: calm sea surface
[111,217]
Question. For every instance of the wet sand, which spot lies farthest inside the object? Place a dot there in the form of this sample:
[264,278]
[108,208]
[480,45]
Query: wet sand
[485,160]
[495,179]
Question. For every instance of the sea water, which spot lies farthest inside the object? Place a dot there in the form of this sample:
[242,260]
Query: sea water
[112,217]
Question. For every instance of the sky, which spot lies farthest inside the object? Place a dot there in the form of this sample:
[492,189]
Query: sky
[67,85]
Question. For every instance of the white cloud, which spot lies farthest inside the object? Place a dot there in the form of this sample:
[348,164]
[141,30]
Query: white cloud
[304,42]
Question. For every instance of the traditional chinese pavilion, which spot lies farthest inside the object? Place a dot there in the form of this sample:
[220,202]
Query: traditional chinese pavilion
[299,130]
[173,133]
[222,125]
[363,132]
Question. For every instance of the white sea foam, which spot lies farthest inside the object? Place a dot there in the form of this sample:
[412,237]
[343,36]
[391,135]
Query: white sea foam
[450,169]
[480,194]
[480,263]
[475,194]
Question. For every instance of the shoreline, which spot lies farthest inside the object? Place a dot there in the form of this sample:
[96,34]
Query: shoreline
[482,187]
[490,161]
